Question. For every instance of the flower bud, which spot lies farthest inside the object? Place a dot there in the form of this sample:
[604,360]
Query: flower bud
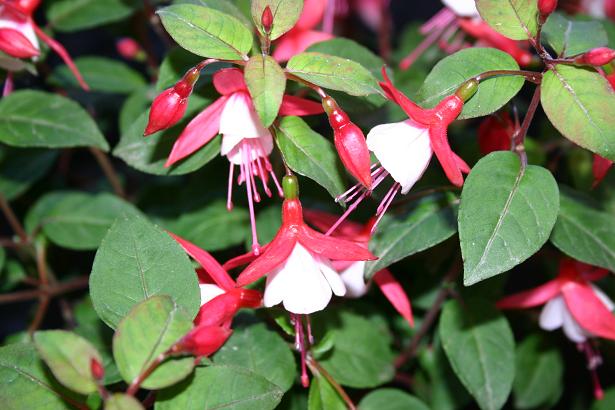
[597,57]
[267,20]
[97,369]
[495,133]
[128,48]
[546,7]
[349,142]
[170,106]
[15,44]
[203,340]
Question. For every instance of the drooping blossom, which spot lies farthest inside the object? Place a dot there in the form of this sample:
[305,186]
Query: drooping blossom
[19,32]
[600,168]
[495,133]
[573,303]
[353,272]
[404,149]
[303,34]
[450,26]
[245,141]
[221,299]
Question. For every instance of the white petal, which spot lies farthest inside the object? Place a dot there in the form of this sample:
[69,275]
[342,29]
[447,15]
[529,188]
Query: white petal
[353,277]
[463,8]
[552,315]
[573,330]
[259,147]
[335,281]
[24,27]
[239,119]
[275,289]
[403,149]
[608,303]
[209,291]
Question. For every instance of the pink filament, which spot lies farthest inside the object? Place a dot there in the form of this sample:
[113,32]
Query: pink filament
[594,360]
[8,84]
[301,347]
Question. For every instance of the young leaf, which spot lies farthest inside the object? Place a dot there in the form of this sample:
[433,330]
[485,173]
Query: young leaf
[206,32]
[76,220]
[506,214]
[581,104]
[309,154]
[516,19]
[70,15]
[37,119]
[119,401]
[69,357]
[20,168]
[452,71]
[285,15]
[570,37]
[266,81]
[25,382]
[391,399]
[480,347]
[150,329]
[322,395]
[539,372]
[96,72]
[585,233]
[136,260]
[334,73]
[430,222]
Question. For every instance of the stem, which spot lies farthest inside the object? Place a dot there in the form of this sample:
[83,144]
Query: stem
[136,383]
[531,76]
[51,291]
[109,171]
[314,87]
[12,219]
[519,136]
[43,277]
[430,317]
[315,367]
[384,32]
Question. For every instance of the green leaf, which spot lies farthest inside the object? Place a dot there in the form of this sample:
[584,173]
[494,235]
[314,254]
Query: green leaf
[516,19]
[76,220]
[262,352]
[137,260]
[38,119]
[584,233]
[71,15]
[174,66]
[266,82]
[581,104]
[12,274]
[506,214]
[391,399]
[133,106]
[309,154]
[480,347]
[69,357]
[212,227]
[120,401]
[538,375]
[150,329]
[101,74]
[569,37]
[20,168]
[334,73]
[285,15]
[25,382]
[207,32]
[221,387]
[2,258]
[149,154]
[452,71]
[430,222]
[225,6]
[322,395]
[361,356]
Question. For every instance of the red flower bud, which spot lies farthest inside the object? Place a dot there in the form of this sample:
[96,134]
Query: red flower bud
[267,19]
[204,340]
[546,7]
[15,44]
[26,6]
[128,48]
[349,142]
[170,106]
[97,369]
[494,134]
[597,57]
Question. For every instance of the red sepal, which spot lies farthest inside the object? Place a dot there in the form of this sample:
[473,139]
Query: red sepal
[276,253]
[600,168]
[531,298]
[229,80]
[333,248]
[15,44]
[300,107]
[588,310]
[395,293]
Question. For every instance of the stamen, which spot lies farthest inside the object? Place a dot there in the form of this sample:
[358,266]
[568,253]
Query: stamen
[442,18]
[229,198]
[350,209]
[251,169]
[245,170]
[594,360]
[263,176]
[301,348]
[8,84]
[436,26]
[386,202]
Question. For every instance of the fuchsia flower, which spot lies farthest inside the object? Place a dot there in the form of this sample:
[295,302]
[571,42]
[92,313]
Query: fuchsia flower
[245,141]
[495,133]
[221,299]
[352,272]
[302,34]
[404,149]
[462,15]
[18,34]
